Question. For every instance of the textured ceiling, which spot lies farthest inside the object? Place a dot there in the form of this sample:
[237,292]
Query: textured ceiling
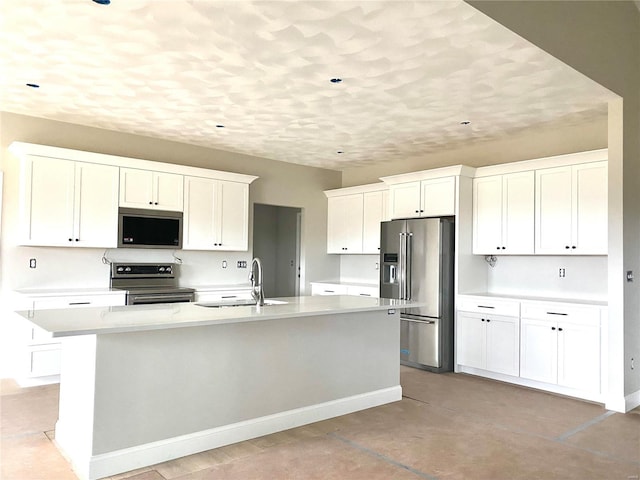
[411,72]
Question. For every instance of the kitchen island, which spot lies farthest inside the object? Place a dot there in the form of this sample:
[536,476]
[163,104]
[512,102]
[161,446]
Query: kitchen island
[143,384]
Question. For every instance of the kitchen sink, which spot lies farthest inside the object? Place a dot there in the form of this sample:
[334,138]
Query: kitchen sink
[238,303]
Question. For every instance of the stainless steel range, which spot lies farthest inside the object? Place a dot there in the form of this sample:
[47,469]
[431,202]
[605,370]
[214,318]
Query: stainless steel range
[147,283]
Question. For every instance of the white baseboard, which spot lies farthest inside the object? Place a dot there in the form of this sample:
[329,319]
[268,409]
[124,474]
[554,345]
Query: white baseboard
[547,387]
[632,401]
[128,459]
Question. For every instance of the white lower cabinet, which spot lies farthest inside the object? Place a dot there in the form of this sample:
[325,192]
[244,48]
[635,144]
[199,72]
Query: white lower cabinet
[42,351]
[565,352]
[488,341]
[554,346]
[222,294]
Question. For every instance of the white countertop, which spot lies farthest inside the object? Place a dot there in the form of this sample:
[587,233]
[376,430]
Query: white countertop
[525,298]
[133,318]
[58,292]
[349,284]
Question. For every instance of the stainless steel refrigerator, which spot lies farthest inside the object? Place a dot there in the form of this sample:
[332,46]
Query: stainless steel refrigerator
[417,258]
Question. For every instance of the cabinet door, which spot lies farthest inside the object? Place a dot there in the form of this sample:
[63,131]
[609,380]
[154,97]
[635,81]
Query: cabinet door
[405,200]
[539,350]
[503,345]
[374,206]
[590,208]
[438,197]
[47,201]
[96,205]
[518,213]
[487,215]
[199,205]
[471,340]
[344,224]
[579,356]
[233,216]
[168,191]
[553,211]
[136,188]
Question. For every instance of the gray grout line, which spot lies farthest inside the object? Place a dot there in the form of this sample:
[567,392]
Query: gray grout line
[561,439]
[584,426]
[381,457]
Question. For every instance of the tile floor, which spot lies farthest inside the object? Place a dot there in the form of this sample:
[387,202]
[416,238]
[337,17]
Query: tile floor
[446,427]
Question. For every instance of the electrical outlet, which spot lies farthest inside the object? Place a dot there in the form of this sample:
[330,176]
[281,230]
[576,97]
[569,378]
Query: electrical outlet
[224,264]
[633,365]
[561,272]
[629,275]
[32,263]
[242,264]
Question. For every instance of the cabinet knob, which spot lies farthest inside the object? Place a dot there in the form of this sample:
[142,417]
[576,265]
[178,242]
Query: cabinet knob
[482,319]
[553,328]
[573,246]
[567,247]
[488,320]
[71,239]
[155,203]
[559,329]
[497,248]
[151,203]
[421,211]
[77,239]
[417,211]
[504,248]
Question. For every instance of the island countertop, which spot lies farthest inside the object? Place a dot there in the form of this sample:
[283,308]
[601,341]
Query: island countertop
[132,318]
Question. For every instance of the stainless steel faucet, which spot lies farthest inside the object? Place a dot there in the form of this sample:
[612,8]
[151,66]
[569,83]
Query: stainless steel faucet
[257,291]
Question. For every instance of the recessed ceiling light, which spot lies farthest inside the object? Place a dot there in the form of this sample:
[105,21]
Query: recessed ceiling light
[466,122]
[219,126]
[339,152]
[33,85]
[336,80]
[102,2]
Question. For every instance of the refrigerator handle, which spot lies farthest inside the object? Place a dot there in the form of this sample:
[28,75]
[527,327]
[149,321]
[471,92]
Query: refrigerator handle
[407,267]
[401,275]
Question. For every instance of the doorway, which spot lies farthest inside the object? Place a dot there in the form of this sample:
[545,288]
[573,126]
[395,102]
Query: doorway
[276,241]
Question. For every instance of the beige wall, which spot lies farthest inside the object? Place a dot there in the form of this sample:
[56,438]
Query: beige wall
[531,143]
[279,184]
[601,39]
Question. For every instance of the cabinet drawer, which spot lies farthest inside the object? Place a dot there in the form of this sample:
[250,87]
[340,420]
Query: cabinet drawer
[559,312]
[227,295]
[328,289]
[493,306]
[78,301]
[362,291]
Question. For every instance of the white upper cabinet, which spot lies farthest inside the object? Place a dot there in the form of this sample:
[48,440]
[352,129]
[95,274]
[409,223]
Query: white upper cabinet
[151,190]
[344,224]
[67,203]
[571,210]
[216,215]
[503,214]
[426,198]
[405,200]
[353,218]
[375,207]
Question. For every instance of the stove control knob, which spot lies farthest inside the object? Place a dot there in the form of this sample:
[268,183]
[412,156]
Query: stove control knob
[120,269]
[127,269]
[161,269]
[168,269]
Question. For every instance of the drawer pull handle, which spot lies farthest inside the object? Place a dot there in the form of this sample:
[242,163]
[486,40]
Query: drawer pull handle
[557,313]
[485,306]
[329,291]
[229,296]
[365,295]
[79,303]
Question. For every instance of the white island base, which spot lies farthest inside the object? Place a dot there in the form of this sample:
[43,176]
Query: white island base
[133,399]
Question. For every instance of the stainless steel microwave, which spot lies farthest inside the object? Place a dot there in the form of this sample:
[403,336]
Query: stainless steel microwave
[141,228]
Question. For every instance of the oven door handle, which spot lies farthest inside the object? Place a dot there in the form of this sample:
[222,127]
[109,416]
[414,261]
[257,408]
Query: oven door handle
[173,298]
